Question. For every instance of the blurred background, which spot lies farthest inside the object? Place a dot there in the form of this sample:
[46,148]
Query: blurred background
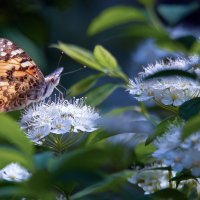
[171,29]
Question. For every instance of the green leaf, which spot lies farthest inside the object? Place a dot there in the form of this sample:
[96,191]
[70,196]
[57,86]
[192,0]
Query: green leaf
[104,57]
[86,57]
[9,155]
[99,94]
[80,55]
[79,159]
[173,72]
[191,126]
[41,159]
[111,182]
[84,85]
[169,193]
[91,159]
[143,152]
[11,132]
[9,191]
[195,49]
[115,16]
[121,110]
[189,108]
[97,136]
[162,39]
[146,30]
[185,174]
[147,3]
[39,186]
[161,129]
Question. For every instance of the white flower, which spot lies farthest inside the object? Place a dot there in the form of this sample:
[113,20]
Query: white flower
[140,90]
[169,141]
[192,142]
[151,180]
[60,197]
[176,153]
[60,126]
[37,134]
[82,117]
[60,117]
[36,115]
[174,158]
[170,64]
[166,90]
[14,172]
[148,180]
[192,161]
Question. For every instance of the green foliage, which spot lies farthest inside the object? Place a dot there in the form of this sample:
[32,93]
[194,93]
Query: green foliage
[171,73]
[148,24]
[112,182]
[161,128]
[105,58]
[8,155]
[84,85]
[143,153]
[191,126]
[115,16]
[169,194]
[11,133]
[147,3]
[100,60]
[99,94]
[189,108]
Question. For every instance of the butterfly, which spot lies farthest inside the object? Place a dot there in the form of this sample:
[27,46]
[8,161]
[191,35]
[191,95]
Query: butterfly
[21,81]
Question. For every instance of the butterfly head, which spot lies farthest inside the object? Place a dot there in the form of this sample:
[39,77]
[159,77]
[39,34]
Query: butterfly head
[52,80]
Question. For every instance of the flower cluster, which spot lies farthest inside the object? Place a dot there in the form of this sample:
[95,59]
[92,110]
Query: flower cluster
[148,180]
[60,117]
[178,154]
[14,172]
[166,90]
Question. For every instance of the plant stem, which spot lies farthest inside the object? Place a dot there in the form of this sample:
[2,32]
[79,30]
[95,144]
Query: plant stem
[169,108]
[146,114]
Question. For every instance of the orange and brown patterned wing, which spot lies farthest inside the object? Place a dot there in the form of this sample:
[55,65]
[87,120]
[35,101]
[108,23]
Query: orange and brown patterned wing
[18,76]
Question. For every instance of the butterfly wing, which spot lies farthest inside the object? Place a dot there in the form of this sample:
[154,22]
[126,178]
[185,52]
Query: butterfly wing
[21,81]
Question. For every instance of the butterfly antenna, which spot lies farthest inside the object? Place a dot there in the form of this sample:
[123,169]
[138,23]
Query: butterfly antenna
[74,71]
[66,91]
[63,88]
[62,96]
[61,56]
